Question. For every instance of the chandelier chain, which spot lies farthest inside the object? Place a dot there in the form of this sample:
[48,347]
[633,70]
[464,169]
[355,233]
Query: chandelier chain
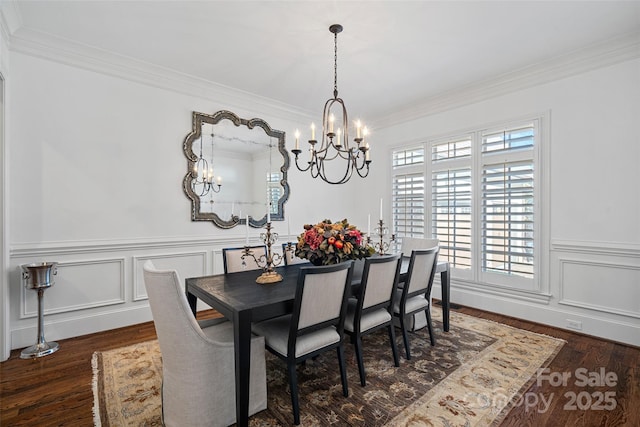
[335,65]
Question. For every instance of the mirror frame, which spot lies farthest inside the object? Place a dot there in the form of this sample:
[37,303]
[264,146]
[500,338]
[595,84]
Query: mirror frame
[197,119]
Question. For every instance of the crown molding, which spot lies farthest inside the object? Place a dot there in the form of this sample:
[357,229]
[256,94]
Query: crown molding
[56,49]
[596,56]
[10,18]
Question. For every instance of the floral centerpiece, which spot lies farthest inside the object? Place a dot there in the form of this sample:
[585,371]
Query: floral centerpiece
[328,243]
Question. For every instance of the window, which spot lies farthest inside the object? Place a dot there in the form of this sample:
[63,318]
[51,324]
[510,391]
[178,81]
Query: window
[482,202]
[408,198]
[451,215]
[274,191]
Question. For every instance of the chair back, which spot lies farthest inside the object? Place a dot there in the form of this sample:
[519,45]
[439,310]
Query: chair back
[175,324]
[320,300]
[410,244]
[233,261]
[422,268]
[379,281]
[290,256]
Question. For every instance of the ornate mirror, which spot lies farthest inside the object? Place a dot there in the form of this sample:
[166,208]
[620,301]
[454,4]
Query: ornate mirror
[237,170]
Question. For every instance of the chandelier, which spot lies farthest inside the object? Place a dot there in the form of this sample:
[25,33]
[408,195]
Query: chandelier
[335,138]
[202,173]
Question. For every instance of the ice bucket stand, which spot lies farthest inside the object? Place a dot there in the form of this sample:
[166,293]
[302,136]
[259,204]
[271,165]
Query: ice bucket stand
[39,276]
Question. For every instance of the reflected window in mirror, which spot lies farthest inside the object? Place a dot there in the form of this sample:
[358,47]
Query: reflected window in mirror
[245,171]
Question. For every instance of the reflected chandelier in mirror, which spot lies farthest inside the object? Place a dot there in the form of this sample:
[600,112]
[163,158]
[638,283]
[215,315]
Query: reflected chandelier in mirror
[237,170]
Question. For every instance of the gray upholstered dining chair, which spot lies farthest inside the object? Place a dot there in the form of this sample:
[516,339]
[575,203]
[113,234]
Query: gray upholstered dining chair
[233,261]
[290,256]
[198,365]
[315,326]
[415,295]
[373,307]
[409,244]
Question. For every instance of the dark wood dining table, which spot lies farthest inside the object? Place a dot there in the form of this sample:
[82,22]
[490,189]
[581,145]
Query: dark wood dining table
[240,299]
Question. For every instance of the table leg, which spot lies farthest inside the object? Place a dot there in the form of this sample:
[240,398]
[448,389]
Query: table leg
[242,342]
[192,300]
[446,295]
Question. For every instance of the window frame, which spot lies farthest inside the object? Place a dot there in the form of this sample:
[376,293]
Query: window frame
[475,276]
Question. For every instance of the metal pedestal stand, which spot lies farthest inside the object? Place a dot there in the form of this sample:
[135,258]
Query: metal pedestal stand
[38,277]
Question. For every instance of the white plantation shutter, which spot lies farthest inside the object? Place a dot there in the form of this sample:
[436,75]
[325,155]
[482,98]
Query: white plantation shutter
[507,218]
[451,198]
[482,202]
[408,205]
[508,205]
[274,190]
[408,195]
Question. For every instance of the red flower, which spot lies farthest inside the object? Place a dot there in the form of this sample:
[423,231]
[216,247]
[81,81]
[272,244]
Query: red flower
[312,238]
[357,235]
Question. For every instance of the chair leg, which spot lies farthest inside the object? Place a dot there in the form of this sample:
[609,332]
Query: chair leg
[343,371]
[358,345]
[394,350]
[430,326]
[293,386]
[405,337]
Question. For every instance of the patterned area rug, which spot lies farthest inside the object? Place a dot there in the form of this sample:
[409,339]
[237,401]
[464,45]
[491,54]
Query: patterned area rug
[472,377]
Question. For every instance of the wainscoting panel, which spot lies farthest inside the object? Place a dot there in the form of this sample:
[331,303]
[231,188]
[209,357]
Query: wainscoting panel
[607,287]
[594,288]
[188,264]
[78,286]
[100,285]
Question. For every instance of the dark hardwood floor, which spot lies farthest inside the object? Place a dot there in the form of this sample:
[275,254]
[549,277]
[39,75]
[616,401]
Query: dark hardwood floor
[55,390]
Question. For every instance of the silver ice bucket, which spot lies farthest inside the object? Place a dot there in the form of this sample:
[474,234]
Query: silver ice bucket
[39,275]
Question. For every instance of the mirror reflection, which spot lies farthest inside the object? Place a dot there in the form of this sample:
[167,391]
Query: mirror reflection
[237,170]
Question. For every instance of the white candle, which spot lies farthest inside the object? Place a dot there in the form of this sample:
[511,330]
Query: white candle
[339,136]
[247,235]
[313,131]
[297,136]
[380,207]
[232,206]
[219,180]
[367,156]
[358,129]
[331,120]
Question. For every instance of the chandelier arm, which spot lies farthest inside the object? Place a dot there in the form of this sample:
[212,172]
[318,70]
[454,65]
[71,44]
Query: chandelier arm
[298,166]
[361,167]
[347,174]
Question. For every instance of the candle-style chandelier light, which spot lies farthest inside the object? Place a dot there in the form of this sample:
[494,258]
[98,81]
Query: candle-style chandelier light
[202,174]
[335,138]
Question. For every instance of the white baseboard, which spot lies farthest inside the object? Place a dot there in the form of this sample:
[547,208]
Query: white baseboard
[619,329]
[80,325]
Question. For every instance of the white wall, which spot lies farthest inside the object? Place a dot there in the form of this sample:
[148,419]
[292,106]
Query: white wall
[592,260]
[96,185]
[5,344]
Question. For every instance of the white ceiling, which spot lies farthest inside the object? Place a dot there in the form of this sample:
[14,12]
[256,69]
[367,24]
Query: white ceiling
[391,53]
